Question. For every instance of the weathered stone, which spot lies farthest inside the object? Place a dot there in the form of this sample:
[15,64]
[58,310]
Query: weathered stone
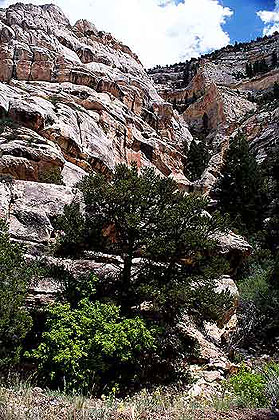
[217,98]
[84,91]
[32,206]
[75,100]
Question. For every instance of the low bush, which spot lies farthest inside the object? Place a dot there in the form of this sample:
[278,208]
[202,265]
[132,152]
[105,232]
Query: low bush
[51,176]
[91,345]
[249,388]
[258,388]
[7,122]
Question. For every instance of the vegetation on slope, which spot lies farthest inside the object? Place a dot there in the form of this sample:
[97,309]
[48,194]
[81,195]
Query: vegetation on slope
[96,337]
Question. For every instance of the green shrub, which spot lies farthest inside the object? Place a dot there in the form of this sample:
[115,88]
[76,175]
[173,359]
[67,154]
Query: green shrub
[54,99]
[249,388]
[51,176]
[91,345]
[255,288]
[73,287]
[73,233]
[6,179]
[15,276]
[259,309]
[271,375]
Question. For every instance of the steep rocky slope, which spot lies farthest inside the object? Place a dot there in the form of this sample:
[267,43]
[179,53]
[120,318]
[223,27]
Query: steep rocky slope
[73,100]
[216,97]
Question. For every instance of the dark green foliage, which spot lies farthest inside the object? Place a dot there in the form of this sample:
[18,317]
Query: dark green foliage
[51,176]
[54,99]
[166,241]
[249,70]
[15,321]
[72,234]
[73,287]
[276,90]
[274,59]
[240,190]
[259,292]
[144,215]
[250,97]
[6,179]
[82,345]
[205,123]
[7,122]
[259,284]
[271,171]
[271,98]
[186,75]
[197,157]
[259,66]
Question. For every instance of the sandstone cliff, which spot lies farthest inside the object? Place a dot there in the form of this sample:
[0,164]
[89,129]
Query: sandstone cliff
[73,100]
[217,86]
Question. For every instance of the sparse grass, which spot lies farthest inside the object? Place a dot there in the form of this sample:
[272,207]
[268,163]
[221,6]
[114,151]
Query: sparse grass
[224,403]
[21,401]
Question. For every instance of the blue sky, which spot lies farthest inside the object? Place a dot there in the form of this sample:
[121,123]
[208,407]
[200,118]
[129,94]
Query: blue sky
[169,31]
[245,23]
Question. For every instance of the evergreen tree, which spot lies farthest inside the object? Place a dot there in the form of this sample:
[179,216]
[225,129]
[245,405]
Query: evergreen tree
[15,321]
[249,70]
[167,242]
[197,158]
[271,169]
[256,67]
[240,190]
[142,214]
[263,68]
[276,90]
[274,59]
[205,123]
[186,75]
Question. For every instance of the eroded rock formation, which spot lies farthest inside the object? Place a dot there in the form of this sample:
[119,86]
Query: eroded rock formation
[85,98]
[75,100]
[216,97]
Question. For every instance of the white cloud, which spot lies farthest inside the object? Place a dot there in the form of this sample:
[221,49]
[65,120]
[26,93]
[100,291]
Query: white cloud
[270,19]
[159,31]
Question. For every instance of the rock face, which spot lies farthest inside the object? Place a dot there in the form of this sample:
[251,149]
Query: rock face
[75,100]
[216,97]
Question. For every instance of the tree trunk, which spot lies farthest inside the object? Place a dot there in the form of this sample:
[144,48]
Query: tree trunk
[125,293]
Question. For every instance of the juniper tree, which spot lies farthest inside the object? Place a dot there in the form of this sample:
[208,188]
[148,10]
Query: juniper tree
[15,321]
[271,170]
[197,157]
[240,190]
[274,59]
[144,215]
[167,243]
